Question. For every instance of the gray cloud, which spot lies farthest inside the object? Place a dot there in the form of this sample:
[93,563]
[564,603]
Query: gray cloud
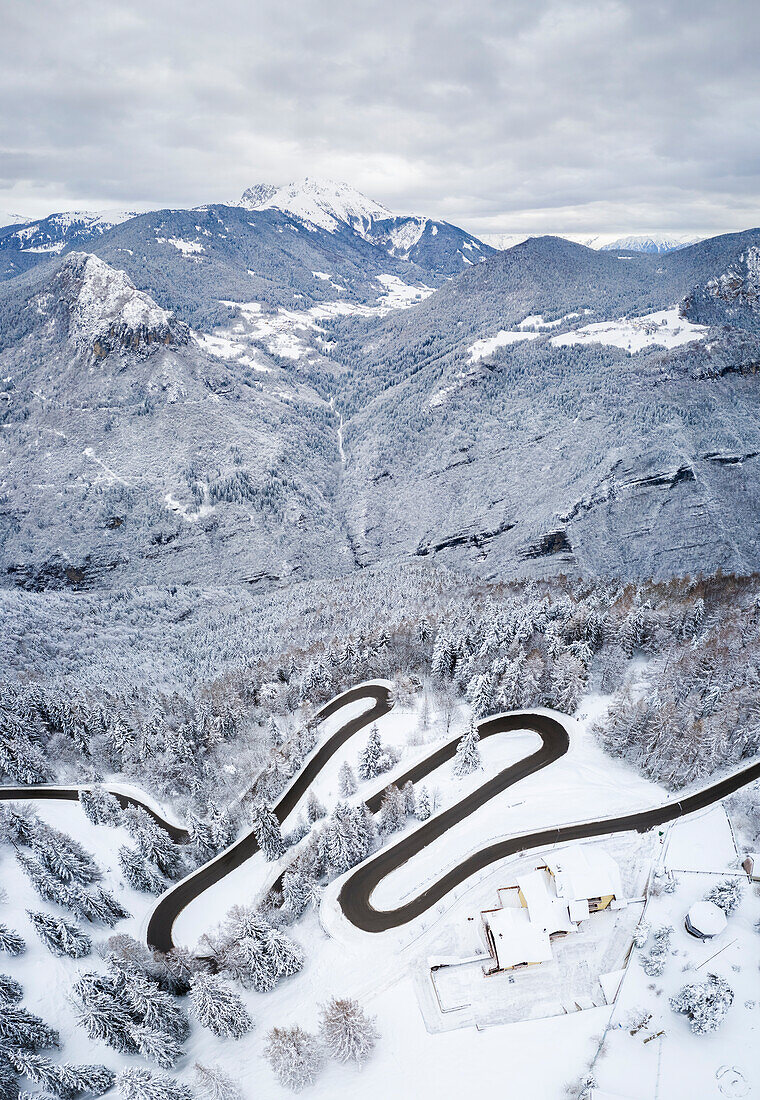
[544,116]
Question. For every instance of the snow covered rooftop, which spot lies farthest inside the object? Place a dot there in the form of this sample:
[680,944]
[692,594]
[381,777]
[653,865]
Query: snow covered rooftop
[545,909]
[581,873]
[705,919]
[517,939]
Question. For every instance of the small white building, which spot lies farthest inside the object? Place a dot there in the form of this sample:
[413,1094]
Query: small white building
[705,919]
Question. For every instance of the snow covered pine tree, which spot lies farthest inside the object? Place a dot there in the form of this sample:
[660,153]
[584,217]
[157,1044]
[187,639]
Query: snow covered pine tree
[467,757]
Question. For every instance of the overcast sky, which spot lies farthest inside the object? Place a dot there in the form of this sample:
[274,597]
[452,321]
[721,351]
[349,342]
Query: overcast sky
[498,115]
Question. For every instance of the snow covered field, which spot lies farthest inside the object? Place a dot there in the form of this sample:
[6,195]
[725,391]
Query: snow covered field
[675,1063]
[666,328]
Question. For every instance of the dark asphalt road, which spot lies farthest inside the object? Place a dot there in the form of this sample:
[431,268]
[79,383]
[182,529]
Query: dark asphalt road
[356,893]
[71,794]
[171,904]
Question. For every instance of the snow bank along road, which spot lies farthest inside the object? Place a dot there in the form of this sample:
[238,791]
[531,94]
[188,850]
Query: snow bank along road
[356,894]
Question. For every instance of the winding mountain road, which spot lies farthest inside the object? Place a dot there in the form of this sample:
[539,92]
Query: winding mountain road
[355,897]
[171,904]
[48,792]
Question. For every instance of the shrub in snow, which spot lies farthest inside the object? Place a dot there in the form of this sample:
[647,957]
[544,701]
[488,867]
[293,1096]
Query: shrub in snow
[10,942]
[726,895]
[59,935]
[295,1056]
[212,1083]
[467,758]
[139,1084]
[348,1033]
[266,828]
[654,961]
[641,933]
[705,1003]
[10,990]
[346,780]
[216,1007]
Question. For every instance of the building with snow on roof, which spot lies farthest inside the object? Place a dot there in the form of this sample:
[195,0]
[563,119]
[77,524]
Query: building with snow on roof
[550,901]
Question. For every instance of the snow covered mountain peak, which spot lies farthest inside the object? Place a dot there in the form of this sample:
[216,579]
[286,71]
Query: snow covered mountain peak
[319,202]
[106,310]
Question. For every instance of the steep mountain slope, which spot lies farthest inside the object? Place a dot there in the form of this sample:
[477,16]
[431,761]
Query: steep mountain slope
[172,407]
[326,204]
[131,455]
[273,246]
[21,246]
[522,434]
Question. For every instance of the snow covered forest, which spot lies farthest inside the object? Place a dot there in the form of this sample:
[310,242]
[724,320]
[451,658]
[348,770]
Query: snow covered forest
[166,686]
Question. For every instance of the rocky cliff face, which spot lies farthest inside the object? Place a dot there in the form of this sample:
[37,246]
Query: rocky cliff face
[103,311]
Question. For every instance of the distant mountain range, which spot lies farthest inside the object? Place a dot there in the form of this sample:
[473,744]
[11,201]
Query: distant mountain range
[303,384]
[640,243]
[324,204]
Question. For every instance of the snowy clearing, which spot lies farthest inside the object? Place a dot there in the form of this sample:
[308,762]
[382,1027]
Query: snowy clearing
[665,328]
[481,348]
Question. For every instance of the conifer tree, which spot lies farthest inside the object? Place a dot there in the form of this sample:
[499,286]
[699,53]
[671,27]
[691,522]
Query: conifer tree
[346,780]
[10,990]
[467,758]
[218,1008]
[424,808]
[139,1084]
[59,935]
[10,942]
[266,828]
[314,809]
